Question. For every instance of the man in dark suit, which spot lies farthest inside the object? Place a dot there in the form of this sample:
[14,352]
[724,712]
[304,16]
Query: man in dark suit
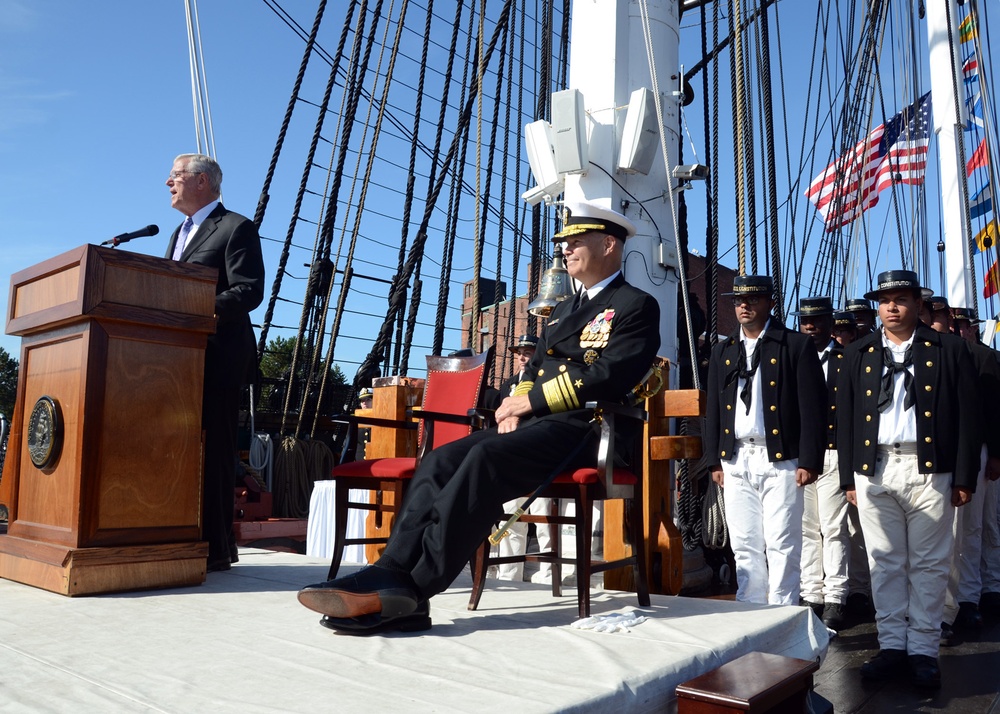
[214,236]
[764,440]
[598,347]
[909,435]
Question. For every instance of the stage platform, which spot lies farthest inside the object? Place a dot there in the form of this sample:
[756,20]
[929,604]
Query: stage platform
[241,643]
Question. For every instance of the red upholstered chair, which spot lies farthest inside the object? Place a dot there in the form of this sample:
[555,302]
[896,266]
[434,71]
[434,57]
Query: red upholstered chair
[451,391]
[585,486]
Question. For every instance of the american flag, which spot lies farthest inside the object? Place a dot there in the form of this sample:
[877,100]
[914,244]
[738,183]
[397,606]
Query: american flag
[894,152]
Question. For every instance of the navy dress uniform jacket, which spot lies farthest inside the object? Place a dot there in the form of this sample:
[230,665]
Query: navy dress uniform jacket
[834,364]
[947,408]
[793,392]
[988,369]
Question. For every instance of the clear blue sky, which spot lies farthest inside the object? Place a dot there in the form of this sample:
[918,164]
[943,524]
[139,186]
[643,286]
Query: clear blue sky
[95,102]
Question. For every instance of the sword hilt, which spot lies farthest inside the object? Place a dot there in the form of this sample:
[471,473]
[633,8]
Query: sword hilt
[501,532]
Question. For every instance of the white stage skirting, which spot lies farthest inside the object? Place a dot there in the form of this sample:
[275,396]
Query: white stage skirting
[322,519]
[242,643]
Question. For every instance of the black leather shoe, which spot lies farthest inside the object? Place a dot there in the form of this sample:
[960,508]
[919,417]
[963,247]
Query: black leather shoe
[816,607]
[417,621]
[217,565]
[885,665]
[924,672]
[947,635]
[833,616]
[989,604]
[859,605]
[370,591]
[968,617]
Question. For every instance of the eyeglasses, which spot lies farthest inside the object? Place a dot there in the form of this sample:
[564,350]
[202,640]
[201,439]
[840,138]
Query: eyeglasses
[177,174]
[750,300]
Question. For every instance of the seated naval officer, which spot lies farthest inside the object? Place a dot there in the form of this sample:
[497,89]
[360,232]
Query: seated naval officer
[764,440]
[909,435]
[597,346]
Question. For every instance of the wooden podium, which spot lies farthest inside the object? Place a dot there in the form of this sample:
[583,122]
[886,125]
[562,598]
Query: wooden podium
[103,472]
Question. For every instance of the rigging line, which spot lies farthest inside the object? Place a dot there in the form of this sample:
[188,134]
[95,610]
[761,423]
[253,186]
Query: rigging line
[262,201]
[684,287]
[477,250]
[321,249]
[718,47]
[711,307]
[772,189]
[376,133]
[497,293]
[518,213]
[713,244]
[448,247]
[417,249]
[307,169]
[411,166]
[736,88]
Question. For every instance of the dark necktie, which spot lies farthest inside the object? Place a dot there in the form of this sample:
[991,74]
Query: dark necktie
[892,367]
[582,298]
[825,358]
[745,374]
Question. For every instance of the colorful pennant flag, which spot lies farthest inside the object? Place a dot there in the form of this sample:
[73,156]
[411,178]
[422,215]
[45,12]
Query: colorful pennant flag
[975,106]
[894,152]
[967,30]
[970,68]
[991,283]
[987,237]
[982,202]
[980,158]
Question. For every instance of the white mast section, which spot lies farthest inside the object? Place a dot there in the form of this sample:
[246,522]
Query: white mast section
[950,117]
[618,47]
[204,132]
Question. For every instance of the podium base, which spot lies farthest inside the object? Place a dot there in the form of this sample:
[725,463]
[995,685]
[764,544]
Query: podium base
[91,571]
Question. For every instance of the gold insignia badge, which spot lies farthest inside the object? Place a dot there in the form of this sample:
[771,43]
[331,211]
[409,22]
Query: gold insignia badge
[590,356]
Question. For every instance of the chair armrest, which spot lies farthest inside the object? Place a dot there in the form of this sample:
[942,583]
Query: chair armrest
[442,416]
[619,409]
[373,421]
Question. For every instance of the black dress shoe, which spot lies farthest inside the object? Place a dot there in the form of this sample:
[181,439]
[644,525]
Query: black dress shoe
[947,635]
[834,616]
[885,665]
[860,605]
[816,607]
[924,672]
[989,604]
[417,621]
[370,591]
[216,565]
[968,617]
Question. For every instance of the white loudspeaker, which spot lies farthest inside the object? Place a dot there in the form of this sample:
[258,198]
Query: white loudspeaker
[540,156]
[569,132]
[640,136]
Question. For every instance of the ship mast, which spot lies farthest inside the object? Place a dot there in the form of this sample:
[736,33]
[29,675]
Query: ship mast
[618,47]
[950,117]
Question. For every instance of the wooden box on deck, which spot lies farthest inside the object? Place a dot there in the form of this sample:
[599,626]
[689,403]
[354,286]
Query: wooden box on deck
[117,339]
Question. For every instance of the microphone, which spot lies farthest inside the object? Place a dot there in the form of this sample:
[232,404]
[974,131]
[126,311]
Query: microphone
[150,230]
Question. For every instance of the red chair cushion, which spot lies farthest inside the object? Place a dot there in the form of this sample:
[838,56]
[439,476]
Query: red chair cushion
[621,477]
[400,468]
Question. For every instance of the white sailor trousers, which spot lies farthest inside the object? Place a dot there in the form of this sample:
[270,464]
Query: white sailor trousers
[826,541]
[908,522]
[764,516]
[969,544]
[991,537]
